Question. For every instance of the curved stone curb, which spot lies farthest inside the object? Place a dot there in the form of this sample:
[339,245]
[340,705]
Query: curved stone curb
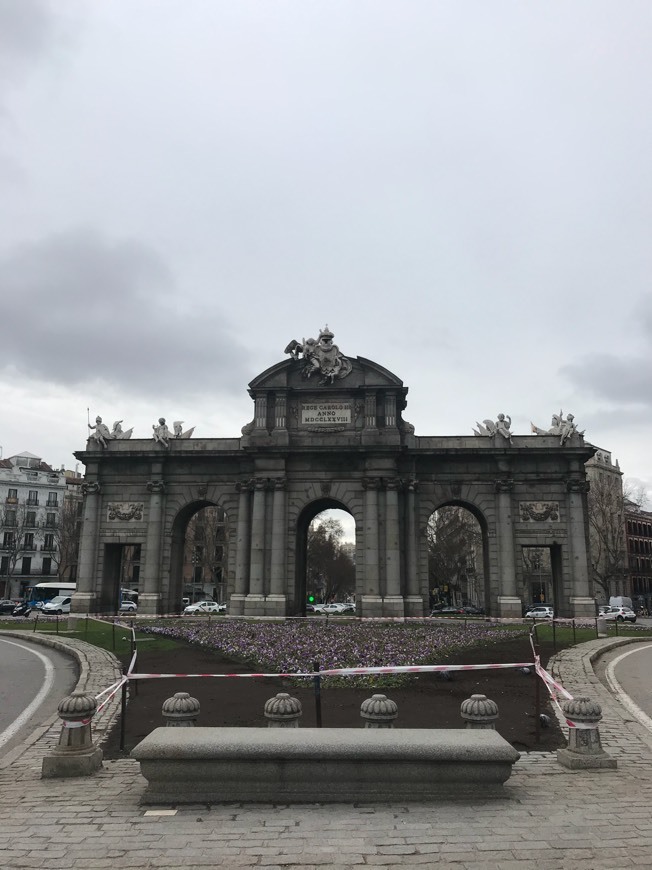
[622,736]
[98,669]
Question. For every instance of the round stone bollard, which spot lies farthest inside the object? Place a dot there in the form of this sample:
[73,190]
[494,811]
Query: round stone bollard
[378,712]
[283,711]
[75,754]
[478,711]
[601,624]
[180,711]
[584,748]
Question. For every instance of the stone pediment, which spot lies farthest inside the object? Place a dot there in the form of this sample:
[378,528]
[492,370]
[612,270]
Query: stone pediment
[288,375]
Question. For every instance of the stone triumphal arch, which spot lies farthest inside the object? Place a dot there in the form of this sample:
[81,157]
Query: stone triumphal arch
[328,431]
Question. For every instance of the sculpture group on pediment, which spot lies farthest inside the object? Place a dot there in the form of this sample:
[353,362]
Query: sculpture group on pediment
[100,432]
[320,356]
[563,428]
[502,428]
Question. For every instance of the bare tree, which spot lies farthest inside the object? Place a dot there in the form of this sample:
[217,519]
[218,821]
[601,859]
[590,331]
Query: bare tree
[606,512]
[66,535]
[330,569]
[15,538]
[454,544]
[207,540]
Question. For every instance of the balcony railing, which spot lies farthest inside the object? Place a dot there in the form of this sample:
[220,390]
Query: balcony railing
[11,500]
[32,501]
[54,503]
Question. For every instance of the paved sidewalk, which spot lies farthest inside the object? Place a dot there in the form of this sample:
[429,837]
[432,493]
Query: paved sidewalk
[549,818]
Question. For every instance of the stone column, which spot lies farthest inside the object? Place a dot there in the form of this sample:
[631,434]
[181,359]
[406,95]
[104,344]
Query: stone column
[282,711]
[255,604]
[509,604]
[393,600]
[148,600]
[180,711]
[237,600]
[379,711]
[371,600]
[75,754]
[275,604]
[581,602]
[479,712]
[84,599]
[413,599]
[584,748]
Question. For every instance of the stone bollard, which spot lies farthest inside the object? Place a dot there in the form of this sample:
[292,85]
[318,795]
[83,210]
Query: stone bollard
[602,627]
[478,711]
[180,711]
[283,711]
[584,749]
[378,712]
[75,754]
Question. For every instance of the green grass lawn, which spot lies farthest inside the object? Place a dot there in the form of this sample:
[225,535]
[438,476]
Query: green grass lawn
[104,634]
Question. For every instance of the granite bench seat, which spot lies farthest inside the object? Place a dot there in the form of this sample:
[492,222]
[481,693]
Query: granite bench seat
[190,765]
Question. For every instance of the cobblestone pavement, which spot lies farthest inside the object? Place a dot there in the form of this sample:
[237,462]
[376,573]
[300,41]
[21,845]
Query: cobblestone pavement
[549,817]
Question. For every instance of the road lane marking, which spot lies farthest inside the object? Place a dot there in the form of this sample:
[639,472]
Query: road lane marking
[622,695]
[42,694]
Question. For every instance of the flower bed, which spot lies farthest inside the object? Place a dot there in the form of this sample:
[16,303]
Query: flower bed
[293,646]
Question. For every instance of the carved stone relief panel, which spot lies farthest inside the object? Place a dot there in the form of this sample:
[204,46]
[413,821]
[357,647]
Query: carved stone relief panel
[124,511]
[539,511]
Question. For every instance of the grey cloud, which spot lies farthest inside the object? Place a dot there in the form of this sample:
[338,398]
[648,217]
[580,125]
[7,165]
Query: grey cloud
[27,29]
[78,308]
[622,380]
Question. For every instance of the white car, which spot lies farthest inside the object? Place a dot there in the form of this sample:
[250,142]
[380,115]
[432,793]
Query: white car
[128,607]
[540,613]
[619,614]
[60,604]
[204,607]
[333,608]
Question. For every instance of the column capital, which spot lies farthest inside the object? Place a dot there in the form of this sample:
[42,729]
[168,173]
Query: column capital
[243,486]
[504,485]
[156,486]
[577,486]
[91,488]
[278,484]
[412,485]
[393,484]
[371,483]
[260,484]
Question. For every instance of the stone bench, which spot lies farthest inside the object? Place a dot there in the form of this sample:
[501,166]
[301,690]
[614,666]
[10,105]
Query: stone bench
[191,765]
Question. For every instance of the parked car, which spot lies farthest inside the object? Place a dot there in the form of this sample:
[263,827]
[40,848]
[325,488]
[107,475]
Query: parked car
[620,614]
[60,604]
[472,610]
[333,608]
[540,612]
[7,606]
[128,607]
[204,607]
[604,608]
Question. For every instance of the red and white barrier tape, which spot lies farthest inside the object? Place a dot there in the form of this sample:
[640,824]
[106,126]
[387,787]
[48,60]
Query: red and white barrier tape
[345,672]
[113,692]
[78,723]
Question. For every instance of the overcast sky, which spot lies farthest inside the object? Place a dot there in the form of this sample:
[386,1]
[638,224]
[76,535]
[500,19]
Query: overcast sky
[461,190]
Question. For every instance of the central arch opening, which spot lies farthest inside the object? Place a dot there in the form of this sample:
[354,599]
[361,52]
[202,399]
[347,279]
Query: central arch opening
[457,560]
[325,556]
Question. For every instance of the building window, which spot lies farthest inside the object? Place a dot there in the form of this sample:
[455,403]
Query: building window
[27,565]
[8,542]
[49,542]
[12,496]
[32,498]
[10,519]
[47,566]
[4,566]
[30,519]
[50,520]
[29,541]
[53,499]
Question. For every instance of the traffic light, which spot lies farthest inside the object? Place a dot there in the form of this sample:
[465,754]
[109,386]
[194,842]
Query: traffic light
[311,599]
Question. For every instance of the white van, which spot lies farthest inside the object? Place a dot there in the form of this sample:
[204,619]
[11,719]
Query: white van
[60,604]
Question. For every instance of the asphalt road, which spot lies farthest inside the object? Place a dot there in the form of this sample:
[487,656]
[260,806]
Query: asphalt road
[33,679]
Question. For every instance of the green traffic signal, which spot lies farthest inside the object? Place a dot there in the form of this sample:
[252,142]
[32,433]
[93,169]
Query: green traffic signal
[311,599]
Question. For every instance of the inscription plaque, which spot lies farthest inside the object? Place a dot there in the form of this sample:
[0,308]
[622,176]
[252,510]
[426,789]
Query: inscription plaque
[326,413]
